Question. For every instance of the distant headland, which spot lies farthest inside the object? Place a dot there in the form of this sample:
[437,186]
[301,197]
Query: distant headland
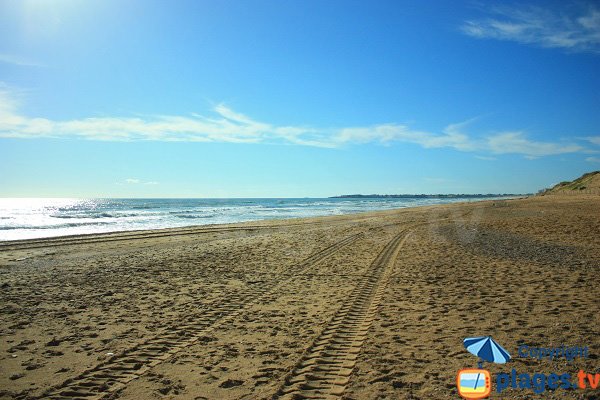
[426,196]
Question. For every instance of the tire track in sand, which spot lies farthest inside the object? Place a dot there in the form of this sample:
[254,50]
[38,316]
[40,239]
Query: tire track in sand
[325,368]
[27,244]
[116,236]
[115,373]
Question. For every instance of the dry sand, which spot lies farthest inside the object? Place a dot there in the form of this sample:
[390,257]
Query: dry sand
[358,307]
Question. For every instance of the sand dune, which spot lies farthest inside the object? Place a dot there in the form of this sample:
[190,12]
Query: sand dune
[359,307]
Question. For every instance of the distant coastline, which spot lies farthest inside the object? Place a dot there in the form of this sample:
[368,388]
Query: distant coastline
[427,196]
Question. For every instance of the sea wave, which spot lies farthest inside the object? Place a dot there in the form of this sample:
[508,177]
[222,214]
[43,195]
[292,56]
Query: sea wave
[95,215]
[195,216]
[215,210]
[58,226]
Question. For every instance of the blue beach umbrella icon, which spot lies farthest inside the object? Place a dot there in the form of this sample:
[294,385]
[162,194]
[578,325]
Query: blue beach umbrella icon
[486,349]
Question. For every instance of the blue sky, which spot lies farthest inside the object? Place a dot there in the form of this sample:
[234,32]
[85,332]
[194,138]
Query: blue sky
[295,98]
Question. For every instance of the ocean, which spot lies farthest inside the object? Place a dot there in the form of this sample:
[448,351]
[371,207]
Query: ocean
[40,217]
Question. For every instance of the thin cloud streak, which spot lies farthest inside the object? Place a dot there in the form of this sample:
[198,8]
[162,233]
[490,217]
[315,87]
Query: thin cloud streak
[229,126]
[517,143]
[135,181]
[539,26]
[16,60]
[593,139]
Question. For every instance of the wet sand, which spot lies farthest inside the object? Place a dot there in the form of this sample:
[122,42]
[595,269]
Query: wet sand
[367,306]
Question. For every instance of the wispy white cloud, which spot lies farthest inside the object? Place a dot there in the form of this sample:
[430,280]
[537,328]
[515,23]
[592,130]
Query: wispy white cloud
[387,133]
[226,125]
[593,139]
[517,143]
[486,158]
[135,181]
[593,159]
[572,30]
[17,60]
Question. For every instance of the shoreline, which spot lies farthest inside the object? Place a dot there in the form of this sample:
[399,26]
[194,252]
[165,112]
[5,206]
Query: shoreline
[240,311]
[183,229]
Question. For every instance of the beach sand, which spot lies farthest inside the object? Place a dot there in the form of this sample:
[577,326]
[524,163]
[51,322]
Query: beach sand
[365,306]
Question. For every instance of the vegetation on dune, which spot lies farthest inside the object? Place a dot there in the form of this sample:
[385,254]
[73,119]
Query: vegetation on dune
[589,181]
